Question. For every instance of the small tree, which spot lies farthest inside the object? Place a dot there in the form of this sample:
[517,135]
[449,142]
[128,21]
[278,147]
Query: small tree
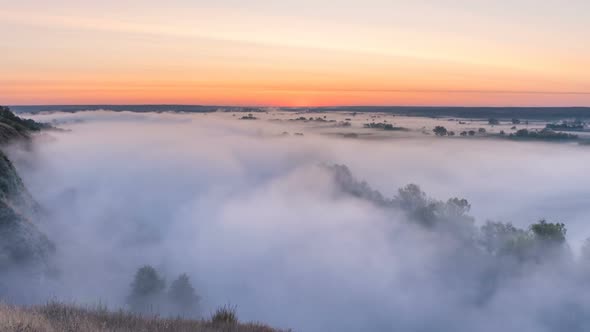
[146,290]
[182,296]
[440,131]
[481,130]
[549,239]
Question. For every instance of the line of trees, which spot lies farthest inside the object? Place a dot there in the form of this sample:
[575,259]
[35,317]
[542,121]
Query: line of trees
[544,134]
[148,294]
[541,241]
[383,126]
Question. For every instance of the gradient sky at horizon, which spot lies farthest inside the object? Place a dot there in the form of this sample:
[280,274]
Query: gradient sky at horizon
[296,52]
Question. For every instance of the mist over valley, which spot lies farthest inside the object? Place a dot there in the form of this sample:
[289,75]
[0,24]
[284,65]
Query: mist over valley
[300,226]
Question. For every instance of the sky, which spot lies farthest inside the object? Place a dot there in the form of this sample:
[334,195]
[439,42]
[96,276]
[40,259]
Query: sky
[296,52]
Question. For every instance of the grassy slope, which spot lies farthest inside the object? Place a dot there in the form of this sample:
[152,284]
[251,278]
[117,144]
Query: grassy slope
[60,317]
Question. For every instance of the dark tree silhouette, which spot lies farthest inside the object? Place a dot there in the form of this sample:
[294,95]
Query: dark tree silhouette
[440,131]
[146,290]
[183,297]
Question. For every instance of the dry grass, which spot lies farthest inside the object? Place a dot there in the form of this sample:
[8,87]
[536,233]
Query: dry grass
[58,317]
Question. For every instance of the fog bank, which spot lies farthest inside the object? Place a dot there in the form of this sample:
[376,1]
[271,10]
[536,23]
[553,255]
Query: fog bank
[260,220]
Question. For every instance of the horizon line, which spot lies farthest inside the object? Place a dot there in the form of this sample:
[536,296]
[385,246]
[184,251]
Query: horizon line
[292,107]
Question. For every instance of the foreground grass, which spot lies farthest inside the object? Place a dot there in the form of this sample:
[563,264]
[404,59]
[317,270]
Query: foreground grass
[58,317]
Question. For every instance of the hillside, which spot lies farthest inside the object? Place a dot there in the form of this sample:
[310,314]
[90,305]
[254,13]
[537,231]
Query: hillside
[25,255]
[22,245]
[59,317]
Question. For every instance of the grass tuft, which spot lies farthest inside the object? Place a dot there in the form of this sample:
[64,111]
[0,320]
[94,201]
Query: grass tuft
[225,315]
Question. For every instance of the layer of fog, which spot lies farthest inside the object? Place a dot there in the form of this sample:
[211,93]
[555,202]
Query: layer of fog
[255,220]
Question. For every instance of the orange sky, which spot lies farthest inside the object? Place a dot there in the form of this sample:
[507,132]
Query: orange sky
[296,53]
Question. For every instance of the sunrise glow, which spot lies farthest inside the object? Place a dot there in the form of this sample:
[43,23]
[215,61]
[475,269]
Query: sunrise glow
[295,53]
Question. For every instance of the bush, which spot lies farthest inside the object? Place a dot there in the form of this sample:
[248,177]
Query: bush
[225,315]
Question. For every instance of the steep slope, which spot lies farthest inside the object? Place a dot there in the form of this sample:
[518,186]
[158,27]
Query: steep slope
[21,242]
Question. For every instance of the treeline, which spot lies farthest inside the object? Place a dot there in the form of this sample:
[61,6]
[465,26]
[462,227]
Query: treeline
[384,126]
[543,134]
[442,131]
[576,125]
[493,242]
[468,112]
[540,240]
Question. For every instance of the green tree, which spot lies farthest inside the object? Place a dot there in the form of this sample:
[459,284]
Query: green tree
[549,232]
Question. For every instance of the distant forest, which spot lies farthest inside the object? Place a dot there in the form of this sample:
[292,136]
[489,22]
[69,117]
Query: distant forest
[472,112]
[423,111]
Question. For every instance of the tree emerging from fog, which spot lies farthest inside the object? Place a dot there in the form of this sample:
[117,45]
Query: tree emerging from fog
[182,296]
[146,290]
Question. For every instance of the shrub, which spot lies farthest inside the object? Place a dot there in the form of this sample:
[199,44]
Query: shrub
[225,315]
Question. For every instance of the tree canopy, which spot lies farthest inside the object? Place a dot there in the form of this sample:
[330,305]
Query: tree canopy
[440,131]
